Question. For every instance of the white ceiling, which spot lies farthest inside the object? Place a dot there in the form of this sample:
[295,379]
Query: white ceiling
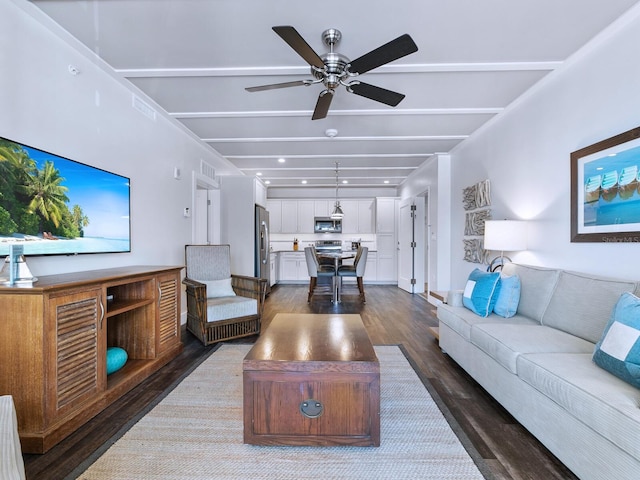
[194,58]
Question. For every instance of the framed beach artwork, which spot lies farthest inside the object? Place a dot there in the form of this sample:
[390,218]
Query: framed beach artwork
[605,190]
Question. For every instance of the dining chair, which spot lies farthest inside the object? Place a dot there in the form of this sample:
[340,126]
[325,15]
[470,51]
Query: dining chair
[220,305]
[355,270]
[316,270]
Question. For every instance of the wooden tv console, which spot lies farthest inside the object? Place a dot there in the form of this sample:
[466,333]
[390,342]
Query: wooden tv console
[55,336]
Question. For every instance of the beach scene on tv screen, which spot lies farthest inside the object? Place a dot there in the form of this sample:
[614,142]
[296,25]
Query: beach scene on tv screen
[53,205]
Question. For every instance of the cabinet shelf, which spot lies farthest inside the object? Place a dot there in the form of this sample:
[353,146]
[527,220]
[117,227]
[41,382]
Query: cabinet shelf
[116,307]
[130,369]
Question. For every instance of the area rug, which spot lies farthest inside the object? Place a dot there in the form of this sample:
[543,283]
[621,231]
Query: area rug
[195,433]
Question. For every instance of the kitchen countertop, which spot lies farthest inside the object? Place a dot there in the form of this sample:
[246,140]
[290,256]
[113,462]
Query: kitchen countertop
[301,250]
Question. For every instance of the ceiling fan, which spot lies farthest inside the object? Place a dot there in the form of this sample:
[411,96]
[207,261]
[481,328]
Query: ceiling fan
[334,69]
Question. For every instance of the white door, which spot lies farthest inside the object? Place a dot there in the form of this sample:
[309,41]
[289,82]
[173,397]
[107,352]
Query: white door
[411,245]
[205,211]
[201,217]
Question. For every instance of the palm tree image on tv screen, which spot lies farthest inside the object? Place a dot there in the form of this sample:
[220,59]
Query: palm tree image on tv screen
[55,206]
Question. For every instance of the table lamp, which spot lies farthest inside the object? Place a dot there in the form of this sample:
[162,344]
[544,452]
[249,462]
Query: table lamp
[504,236]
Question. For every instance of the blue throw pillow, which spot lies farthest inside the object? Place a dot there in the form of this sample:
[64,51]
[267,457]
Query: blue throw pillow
[618,351]
[481,291]
[508,297]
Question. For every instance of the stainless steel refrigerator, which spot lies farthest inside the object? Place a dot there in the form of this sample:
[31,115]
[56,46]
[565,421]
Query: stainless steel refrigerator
[262,259]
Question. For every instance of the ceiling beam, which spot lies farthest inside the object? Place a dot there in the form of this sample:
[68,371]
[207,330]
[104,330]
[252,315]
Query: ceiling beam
[304,70]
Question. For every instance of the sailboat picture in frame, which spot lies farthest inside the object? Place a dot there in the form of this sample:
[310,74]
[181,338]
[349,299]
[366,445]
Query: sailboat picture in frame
[605,190]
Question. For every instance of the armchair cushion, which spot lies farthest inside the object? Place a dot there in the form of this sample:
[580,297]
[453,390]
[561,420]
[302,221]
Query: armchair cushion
[218,288]
[225,308]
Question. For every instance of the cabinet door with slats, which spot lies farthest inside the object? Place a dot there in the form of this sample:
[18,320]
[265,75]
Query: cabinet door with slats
[168,311]
[76,367]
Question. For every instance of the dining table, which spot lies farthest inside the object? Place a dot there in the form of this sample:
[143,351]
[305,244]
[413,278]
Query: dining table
[337,257]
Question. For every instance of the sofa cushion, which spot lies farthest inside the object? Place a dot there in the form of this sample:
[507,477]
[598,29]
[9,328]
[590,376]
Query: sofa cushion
[508,297]
[505,343]
[570,311]
[480,292]
[603,402]
[225,308]
[618,351]
[537,284]
[461,320]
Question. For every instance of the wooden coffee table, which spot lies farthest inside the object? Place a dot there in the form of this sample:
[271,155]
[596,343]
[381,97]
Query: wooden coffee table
[312,380]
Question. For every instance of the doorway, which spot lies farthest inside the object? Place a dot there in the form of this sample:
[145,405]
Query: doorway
[205,211]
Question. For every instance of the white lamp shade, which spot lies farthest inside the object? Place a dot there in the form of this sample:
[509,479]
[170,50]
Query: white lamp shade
[505,235]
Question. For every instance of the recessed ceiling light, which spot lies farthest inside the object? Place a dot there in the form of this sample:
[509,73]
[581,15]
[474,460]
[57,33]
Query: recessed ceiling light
[345,181]
[259,174]
[386,181]
[281,160]
[304,181]
[267,182]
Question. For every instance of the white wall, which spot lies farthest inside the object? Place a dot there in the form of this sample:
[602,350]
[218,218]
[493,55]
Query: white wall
[89,118]
[525,153]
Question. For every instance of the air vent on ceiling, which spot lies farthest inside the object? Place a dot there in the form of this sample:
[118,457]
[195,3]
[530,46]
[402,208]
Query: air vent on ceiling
[143,107]
[207,170]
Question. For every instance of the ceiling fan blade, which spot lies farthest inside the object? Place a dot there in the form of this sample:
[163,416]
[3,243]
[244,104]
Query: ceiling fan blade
[395,49]
[378,94]
[295,41]
[273,86]
[322,105]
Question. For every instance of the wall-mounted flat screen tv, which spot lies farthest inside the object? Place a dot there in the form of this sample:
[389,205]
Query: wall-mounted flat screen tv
[56,206]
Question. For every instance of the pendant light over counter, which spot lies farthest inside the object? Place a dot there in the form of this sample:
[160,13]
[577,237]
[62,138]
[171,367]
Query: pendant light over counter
[337,213]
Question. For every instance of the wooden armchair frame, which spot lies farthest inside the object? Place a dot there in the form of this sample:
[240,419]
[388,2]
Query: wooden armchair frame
[221,330]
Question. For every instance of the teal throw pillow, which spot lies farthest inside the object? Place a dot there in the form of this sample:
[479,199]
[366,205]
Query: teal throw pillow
[508,297]
[481,292]
[618,351]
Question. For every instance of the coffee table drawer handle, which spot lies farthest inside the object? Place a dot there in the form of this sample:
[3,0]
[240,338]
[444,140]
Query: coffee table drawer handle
[311,408]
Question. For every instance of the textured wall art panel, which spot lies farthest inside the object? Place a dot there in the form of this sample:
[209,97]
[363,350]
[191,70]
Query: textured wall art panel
[475,200]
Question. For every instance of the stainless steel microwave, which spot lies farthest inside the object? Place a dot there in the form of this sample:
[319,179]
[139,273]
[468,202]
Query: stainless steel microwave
[327,225]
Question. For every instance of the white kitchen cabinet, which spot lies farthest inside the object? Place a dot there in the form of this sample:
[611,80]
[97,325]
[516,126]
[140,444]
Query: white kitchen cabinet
[371,269]
[387,240]
[261,193]
[386,215]
[366,211]
[274,207]
[306,209]
[322,208]
[289,216]
[293,267]
[273,268]
[358,216]
[350,219]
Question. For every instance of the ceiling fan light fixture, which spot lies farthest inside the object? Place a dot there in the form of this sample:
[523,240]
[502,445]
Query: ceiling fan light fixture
[334,69]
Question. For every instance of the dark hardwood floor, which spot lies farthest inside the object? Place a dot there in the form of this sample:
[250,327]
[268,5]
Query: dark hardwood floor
[391,316]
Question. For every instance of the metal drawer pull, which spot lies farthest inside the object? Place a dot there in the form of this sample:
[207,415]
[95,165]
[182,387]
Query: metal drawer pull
[311,408]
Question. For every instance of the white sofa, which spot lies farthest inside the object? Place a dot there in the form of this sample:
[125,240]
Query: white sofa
[11,463]
[538,365]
